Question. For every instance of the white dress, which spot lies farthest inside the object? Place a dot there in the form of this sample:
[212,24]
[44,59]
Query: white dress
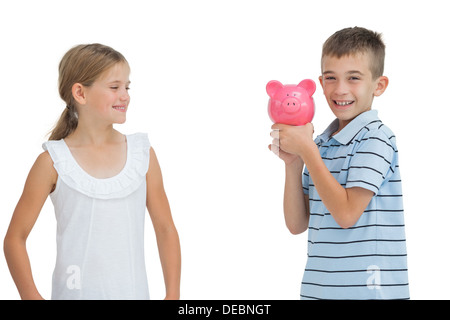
[100,226]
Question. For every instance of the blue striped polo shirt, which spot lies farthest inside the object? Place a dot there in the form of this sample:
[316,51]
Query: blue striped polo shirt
[367,260]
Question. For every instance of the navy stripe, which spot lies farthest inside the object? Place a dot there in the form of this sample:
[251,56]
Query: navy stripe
[368,183]
[363,167]
[375,121]
[316,298]
[350,271]
[356,285]
[362,140]
[372,153]
[359,256]
[368,210]
[364,226]
[357,241]
[357,152]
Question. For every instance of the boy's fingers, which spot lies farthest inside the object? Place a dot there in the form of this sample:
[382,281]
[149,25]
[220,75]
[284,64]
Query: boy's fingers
[275,149]
[275,134]
[278,126]
[276,142]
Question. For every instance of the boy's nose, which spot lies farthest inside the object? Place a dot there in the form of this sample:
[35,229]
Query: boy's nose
[341,88]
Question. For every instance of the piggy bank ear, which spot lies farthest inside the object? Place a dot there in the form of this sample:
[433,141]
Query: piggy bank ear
[273,86]
[308,85]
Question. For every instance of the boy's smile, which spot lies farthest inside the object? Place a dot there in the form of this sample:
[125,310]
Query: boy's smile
[348,85]
[343,104]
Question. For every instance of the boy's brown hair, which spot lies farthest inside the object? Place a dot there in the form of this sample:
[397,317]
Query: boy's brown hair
[350,41]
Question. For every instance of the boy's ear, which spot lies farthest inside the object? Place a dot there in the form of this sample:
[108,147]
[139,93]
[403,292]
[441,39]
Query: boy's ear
[382,84]
[79,93]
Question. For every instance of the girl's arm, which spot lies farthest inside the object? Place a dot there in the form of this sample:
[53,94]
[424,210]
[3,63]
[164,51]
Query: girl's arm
[40,182]
[166,233]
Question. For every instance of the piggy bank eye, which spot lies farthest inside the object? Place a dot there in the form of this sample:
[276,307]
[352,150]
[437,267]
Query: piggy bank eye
[288,94]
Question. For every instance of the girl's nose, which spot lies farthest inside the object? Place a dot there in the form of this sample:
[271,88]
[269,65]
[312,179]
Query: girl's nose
[125,95]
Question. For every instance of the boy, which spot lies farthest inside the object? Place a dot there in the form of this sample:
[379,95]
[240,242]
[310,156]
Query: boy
[351,197]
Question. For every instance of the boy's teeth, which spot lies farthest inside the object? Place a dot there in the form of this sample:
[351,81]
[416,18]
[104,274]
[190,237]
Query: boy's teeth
[344,103]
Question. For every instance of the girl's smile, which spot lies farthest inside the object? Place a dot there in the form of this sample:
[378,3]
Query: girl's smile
[121,108]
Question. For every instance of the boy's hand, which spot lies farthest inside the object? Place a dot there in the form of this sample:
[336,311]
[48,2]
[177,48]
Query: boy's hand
[293,140]
[286,157]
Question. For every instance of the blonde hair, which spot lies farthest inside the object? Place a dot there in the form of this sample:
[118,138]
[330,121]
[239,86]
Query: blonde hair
[355,40]
[82,64]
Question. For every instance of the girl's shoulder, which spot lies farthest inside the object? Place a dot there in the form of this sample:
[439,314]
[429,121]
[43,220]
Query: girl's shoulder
[45,161]
[43,169]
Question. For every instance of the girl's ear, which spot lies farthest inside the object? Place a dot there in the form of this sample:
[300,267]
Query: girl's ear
[382,84]
[78,93]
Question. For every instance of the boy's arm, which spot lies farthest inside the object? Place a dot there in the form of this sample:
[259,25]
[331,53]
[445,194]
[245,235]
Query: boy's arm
[345,205]
[296,203]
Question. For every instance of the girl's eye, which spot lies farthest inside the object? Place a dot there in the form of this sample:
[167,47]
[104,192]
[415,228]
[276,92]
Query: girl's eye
[117,88]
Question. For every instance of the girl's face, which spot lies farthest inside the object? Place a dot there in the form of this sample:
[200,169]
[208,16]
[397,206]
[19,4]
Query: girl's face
[107,99]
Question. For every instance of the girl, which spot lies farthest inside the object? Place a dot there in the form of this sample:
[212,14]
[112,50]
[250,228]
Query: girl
[100,182]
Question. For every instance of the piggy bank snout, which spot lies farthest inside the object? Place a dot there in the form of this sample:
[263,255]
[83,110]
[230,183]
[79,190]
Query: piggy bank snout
[291,104]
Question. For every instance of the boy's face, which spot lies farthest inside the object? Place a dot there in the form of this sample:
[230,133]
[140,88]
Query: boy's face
[348,85]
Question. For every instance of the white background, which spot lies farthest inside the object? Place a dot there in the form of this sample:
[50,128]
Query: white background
[199,70]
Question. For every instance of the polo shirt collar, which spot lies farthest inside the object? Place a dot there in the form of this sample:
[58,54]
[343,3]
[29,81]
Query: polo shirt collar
[346,135]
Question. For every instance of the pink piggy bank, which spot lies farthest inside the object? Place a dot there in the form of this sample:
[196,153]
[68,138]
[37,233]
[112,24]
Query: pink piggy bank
[291,104]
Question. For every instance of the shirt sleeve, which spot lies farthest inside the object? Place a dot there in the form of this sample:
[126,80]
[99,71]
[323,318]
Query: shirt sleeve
[372,162]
